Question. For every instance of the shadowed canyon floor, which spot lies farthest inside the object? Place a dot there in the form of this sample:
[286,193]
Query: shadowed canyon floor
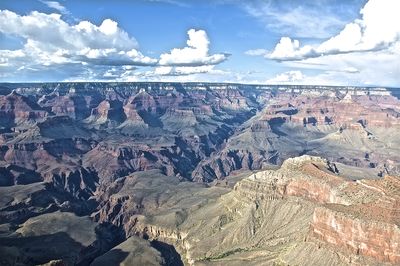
[198,174]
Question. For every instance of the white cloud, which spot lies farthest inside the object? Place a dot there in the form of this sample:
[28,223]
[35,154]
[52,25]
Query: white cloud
[50,40]
[53,43]
[373,68]
[61,50]
[206,73]
[195,54]
[380,68]
[378,29]
[350,70]
[190,63]
[288,49]
[328,78]
[291,77]
[365,52]
[57,6]
[183,70]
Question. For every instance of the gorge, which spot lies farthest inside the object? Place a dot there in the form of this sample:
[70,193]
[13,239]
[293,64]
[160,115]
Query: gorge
[151,173]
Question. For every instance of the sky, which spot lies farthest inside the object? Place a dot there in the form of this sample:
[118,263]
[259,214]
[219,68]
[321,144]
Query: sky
[315,42]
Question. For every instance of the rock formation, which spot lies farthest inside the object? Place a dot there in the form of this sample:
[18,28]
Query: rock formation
[273,215]
[199,173]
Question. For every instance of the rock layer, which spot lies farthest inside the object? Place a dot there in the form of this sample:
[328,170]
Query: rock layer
[269,216]
[126,154]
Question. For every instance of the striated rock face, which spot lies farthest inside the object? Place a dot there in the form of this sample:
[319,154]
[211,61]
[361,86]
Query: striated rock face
[327,123]
[361,217]
[79,135]
[132,114]
[375,239]
[16,109]
[127,155]
[307,177]
[368,228]
[340,110]
[200,131]
[277,216]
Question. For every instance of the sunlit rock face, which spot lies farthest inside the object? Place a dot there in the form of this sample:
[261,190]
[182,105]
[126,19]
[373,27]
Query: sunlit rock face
[333,123]
[219,173]
[276,215]
[360,217]
[376,239]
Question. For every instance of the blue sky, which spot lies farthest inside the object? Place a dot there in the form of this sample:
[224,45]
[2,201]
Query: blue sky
[349,42]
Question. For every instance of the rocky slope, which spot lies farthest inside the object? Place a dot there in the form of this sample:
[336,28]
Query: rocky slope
[278,217]
[59,131]
[123,156]
[358,128]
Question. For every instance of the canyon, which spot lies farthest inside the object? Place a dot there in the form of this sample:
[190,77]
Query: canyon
[198,174]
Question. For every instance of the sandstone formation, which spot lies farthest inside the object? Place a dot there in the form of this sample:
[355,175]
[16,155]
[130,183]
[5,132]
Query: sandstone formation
[274,216]
[328,123]
[198,174]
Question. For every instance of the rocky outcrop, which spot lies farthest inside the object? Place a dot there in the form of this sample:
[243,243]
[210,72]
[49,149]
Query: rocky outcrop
[347,221]
[369,227]
[107,114]
[341,110]
[127,152]
[257,215]
[361,217]
[375,239]
[226,163]
[300,121]
[16,109]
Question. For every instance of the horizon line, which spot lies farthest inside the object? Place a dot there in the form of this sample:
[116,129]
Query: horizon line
[202,82]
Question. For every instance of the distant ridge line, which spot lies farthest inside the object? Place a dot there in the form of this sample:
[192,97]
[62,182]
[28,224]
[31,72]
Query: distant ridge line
[294,86]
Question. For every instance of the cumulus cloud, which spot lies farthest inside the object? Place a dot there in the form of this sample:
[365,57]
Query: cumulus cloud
[179,70]
[176,74]
[294,76]
[378,29]
[288,49]
[195,54]
[55,47]
[365,52]
[51,41]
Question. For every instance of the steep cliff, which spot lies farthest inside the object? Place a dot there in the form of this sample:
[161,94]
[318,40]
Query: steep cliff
[127,155]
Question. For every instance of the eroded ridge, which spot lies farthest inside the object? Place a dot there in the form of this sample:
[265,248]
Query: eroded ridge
[282,215]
